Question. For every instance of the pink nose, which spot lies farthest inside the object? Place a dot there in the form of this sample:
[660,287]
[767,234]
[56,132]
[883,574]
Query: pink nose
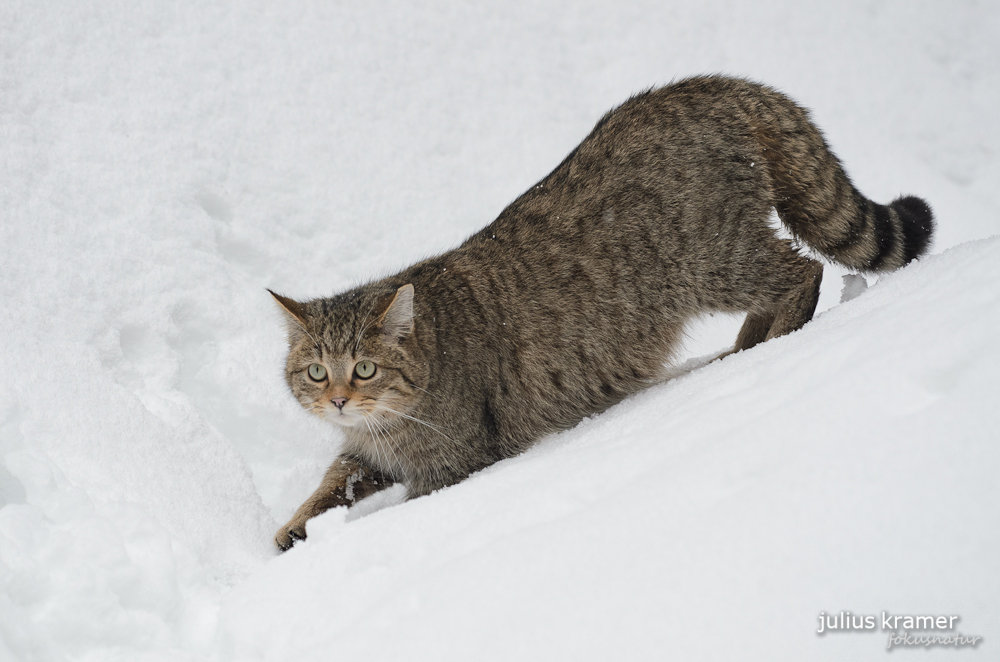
[339,402]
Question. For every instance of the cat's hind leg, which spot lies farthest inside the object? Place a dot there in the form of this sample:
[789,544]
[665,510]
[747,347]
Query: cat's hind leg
[754,330]
[789,290]
[798,307]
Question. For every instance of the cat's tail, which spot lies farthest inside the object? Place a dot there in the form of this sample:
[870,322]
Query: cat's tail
[816,200]
[864,235]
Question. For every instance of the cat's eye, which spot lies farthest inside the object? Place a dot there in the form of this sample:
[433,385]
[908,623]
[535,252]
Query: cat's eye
[317,372]
[364,369]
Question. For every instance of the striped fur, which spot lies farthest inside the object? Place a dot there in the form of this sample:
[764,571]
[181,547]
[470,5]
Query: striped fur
[577,294]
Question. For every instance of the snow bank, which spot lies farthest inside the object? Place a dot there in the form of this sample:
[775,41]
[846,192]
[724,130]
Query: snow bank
[162,165]
[849,466]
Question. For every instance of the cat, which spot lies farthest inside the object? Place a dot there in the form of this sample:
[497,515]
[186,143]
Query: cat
[577,294]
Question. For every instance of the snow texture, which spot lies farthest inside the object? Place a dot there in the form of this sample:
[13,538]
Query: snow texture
[164,163]
[854,286]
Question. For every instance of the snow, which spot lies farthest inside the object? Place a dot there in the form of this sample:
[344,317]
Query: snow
[163,164]
[854,286]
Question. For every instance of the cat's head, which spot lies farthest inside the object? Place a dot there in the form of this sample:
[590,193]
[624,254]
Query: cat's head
[353,359]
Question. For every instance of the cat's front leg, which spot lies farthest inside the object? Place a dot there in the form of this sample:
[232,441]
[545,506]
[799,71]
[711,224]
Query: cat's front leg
[346,482]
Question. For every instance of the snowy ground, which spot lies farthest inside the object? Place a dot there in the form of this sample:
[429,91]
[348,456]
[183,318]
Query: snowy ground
[161,165]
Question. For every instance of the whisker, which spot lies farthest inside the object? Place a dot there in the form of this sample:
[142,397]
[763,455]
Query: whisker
[390,442]
[375,444]
[316,408]
[364,327]
[412,418]
[306,331]
[420,389]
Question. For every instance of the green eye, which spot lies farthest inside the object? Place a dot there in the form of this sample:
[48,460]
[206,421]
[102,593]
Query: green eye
[317,372]
[364,369]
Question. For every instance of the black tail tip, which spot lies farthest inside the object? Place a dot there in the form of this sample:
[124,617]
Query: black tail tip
[918,225]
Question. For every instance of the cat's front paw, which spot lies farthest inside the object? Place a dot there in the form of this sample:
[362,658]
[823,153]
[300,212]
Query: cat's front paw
[289,533]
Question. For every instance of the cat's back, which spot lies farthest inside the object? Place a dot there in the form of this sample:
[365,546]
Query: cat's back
[652,179]
[704,108]
[581,286]
[578,292]
[693,139]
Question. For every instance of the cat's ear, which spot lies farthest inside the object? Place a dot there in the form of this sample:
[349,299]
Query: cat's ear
[295,312]
[397,320]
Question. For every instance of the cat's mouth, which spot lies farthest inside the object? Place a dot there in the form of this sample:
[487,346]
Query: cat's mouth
[347,419]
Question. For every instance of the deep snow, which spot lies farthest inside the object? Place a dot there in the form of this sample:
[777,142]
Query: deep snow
[162,165]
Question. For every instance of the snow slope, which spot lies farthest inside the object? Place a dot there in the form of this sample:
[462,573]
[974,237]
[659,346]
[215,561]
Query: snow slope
[162,165]
[712,517]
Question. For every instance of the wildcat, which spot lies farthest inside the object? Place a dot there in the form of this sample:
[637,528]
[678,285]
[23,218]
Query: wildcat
[576,295]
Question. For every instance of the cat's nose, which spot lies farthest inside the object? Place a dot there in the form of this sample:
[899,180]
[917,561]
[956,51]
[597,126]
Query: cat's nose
[339,402]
